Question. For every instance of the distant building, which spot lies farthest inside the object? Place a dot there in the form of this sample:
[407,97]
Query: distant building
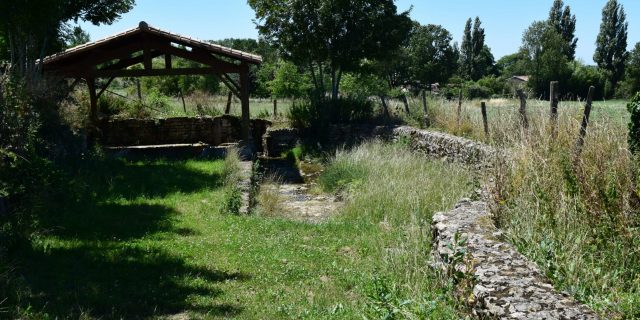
[518,82]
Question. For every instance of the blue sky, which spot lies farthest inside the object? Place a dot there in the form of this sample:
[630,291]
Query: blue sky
[503,20]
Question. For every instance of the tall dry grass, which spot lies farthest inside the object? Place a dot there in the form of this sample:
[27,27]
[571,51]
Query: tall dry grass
[569,214]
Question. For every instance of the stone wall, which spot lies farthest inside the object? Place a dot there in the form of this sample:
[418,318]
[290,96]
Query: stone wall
[442,145]
[185,130]
[507,284]
[277,141]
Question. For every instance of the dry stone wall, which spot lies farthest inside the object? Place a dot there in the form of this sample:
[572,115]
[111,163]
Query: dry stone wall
[507,285]
[184,130]
[442,145]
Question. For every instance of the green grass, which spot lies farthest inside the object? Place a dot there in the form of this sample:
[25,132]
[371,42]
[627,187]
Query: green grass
[146,239]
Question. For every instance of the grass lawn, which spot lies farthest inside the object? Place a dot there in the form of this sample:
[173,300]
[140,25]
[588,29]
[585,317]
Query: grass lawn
[146,240]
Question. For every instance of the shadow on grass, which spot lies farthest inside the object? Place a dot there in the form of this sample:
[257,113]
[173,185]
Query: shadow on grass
[103,271]
[118,179]
[118,282]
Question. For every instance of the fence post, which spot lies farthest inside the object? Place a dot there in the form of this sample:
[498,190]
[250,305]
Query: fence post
[459,107]
[227,110]
[523,109]
[483,108]
[585,123]
[275,108]
[427,122]
[553,100]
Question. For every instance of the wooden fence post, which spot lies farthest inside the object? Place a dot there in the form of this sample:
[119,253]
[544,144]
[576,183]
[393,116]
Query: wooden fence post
[427,122]
[553,100]
[184,105]
[459,114]
[227,110]
[523,109]
[483,108]
[585,123]
[275,108]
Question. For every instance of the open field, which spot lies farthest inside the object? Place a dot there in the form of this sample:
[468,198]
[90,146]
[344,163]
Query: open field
[146,239]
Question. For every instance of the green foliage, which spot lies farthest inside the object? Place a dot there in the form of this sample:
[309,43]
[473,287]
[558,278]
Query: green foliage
[363,85]
[473,90]
[288,82]
[76,36]
[582,77]
[476,59]
[432,56]
[634,124]
[565,24]
[516,64]
[36,27]
[611,45]
[632,72]
[545,49]
[496,86]
[338,33]
[317,114]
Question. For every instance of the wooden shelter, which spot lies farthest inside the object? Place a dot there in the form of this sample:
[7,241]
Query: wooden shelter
[112,57]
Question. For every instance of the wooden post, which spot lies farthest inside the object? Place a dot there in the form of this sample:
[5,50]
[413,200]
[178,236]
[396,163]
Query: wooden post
[275,108]
[406,103]
[184,105]
[139,89]
[93,101]
[585,123]
[459,114]
[427,122]
[553,100]
[385,107]
[227,110]
[523,109]
[483,108]
[244,98]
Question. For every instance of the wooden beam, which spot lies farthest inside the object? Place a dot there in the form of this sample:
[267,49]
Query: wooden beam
[125,63]
[197,56]
[233,87]
[148,60]
[233,83]
[105,87]
[244,92]
[93,100]
[155,72]
[167,61]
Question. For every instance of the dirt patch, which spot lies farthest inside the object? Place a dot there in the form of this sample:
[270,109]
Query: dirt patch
[290,193]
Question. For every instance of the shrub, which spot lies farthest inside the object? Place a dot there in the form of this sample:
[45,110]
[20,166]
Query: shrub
[320,113]
[634,124]
[477,91]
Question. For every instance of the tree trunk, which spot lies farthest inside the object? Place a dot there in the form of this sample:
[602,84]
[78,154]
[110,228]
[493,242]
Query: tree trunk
[385,108]
[405,101]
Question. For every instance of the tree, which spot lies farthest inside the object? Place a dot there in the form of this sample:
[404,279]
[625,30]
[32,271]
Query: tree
[632,74]
[466,51]
[331,34]
[564,23]
[432,57]
[76,37]
[611,44]
[515,64]
[545,50]
[288,81]
[476,59]
[35,28]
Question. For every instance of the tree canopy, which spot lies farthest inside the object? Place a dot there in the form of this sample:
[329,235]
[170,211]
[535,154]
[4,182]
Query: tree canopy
[564,23]
[611,44]
[34,28]
[432,56]
[332,33]
[476,60]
